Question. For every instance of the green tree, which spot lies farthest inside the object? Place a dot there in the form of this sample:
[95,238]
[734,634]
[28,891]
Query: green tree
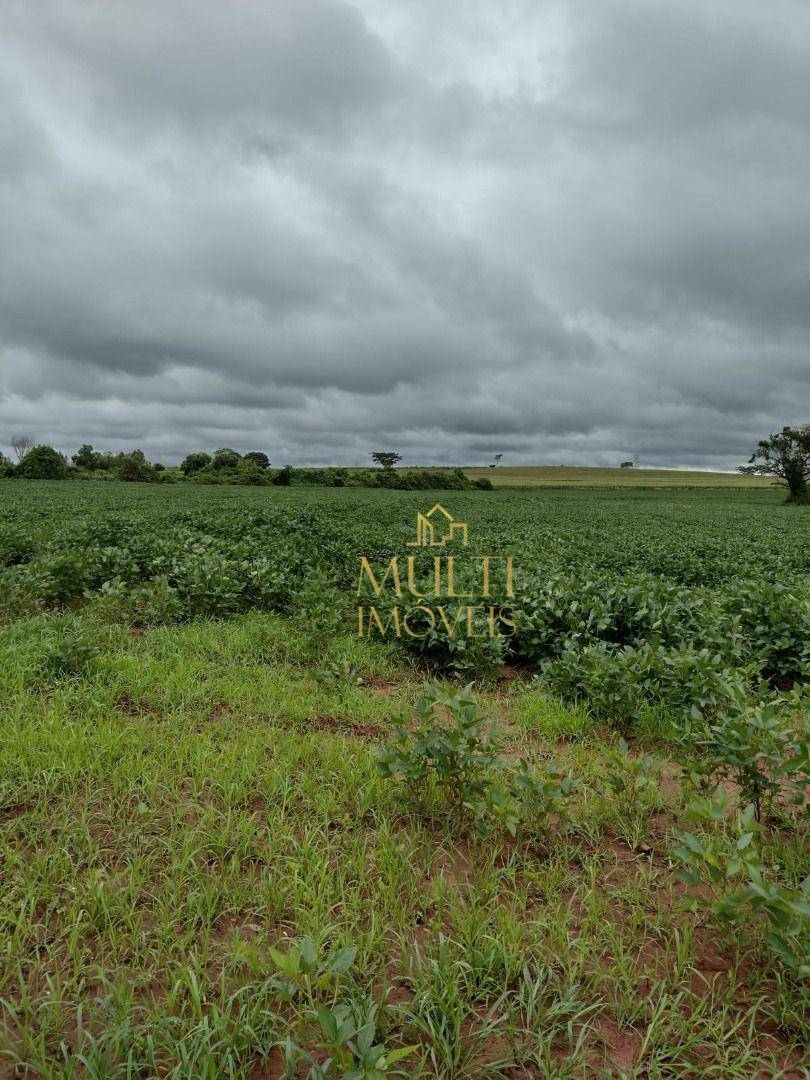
[192,463]
[258,459]
[786,456]
[134,468]
[386,459]
[43,463]
[85,457]
[283,477]
[225,458]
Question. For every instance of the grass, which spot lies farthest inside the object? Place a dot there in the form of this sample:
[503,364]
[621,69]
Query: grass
[196,796]
[565,476]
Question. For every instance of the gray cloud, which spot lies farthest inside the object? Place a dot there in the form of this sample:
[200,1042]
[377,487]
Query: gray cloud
[568,232]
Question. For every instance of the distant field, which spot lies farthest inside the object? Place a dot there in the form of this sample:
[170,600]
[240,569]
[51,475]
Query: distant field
[544,475]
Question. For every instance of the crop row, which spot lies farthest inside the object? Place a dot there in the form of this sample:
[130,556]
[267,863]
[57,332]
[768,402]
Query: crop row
[688,604]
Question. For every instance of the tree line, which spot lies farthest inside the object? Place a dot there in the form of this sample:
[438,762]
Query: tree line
[784,456]
[224,466]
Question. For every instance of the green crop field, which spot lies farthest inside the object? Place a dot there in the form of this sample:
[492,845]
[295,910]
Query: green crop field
[237,839]
[553,475]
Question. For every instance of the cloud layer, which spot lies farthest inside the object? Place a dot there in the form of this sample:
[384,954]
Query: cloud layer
[568,232]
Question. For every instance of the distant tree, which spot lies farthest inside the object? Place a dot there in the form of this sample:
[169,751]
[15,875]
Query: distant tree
[6,466]
[497,460]
[21,444]
[43,463]
[258,458]
[627,465]
[386,459]
[252,477]
[225,458]
[786,456]
[283,477]
[85,457]
[192,463]
[134,468]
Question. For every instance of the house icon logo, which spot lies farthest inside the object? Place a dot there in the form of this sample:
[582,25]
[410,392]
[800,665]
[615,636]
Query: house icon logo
[429,528]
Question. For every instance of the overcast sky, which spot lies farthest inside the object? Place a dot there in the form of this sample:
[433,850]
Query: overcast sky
[567,232]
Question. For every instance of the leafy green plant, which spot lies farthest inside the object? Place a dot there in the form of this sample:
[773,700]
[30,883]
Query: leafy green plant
[619,683]
[156,602]
[302,972]
[538,796]
[347,1035]
[332,672]
[636,777]
[730,857]
[16,545]
[457,754]
[774,618]
[321,608]
[452,751]
[755,747]
[68,648]
[631,786]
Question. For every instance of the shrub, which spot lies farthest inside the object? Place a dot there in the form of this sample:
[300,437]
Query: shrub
[245,472]
[321,608]
[455,652]
[252,478]
[135,469]
[192,463]
[271,584]
[572,609]
[210,583]
[43,463]
[283,476]
[421,479]
[85,457]
[155,602]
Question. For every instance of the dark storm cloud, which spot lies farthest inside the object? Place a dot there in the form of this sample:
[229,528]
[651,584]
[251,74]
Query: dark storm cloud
[569,232]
